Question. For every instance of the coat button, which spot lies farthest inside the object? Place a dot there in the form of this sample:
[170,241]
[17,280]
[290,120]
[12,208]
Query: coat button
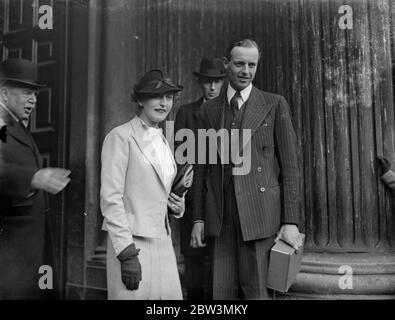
[259,169]
[263,189]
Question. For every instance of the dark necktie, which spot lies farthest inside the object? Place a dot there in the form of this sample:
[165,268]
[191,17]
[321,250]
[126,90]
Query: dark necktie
[234,105]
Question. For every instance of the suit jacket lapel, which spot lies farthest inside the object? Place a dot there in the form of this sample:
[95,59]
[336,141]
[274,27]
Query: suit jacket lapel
[216,113]
[216,116]
[172,159]
[37,152]
[145,146]
[256,111]
[197,107]
[15,130]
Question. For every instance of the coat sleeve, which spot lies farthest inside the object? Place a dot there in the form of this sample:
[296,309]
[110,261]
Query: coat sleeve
[286,150]
[180,123]
[199,180]
[15,179]
[115,158]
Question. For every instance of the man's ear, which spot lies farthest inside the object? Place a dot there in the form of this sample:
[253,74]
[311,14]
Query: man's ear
[225,62]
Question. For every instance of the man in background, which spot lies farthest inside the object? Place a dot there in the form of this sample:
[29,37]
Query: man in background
[210,78]
[23,183]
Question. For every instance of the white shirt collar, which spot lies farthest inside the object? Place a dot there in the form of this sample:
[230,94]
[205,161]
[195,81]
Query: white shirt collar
[245,94]
[162,155]
[147,127]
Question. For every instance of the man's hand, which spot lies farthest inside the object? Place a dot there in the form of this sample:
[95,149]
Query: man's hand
[130,267]
[384,163]
[290,234]
[197,235]
[176,204]
[52,180]
[387,175]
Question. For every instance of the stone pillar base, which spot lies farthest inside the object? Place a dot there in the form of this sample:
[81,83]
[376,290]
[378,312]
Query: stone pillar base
[344,276]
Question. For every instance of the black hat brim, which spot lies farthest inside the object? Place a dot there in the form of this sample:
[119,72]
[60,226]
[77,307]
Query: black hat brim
[160,90]
[209,76]
[28,83]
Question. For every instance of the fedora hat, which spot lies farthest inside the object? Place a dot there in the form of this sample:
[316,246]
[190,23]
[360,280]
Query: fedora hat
[20,71]
[156,82]
[211,68]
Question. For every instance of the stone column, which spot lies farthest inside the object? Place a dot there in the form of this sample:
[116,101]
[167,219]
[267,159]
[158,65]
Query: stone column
[348,214]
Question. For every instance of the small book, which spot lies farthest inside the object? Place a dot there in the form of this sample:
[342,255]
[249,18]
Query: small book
[183,180]
[284,265]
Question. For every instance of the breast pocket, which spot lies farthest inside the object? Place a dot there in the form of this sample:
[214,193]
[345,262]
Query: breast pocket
[264,135]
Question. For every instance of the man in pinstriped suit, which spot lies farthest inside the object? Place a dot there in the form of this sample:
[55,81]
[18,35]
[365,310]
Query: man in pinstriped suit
[243,215]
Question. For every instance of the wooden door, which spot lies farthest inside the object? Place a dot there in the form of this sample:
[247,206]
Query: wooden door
[23,38]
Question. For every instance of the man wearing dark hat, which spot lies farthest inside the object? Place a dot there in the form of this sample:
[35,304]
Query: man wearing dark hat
[210,78]
[23,182]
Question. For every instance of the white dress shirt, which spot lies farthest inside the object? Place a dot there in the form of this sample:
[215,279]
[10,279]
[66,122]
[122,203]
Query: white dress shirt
[244,94]
[162,154]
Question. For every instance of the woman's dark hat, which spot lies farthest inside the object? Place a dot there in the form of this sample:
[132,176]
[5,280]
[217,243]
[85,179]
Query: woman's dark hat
[211,68]
[20,71]
[156,82]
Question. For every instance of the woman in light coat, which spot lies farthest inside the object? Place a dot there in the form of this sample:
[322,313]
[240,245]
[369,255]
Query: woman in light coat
[138,169]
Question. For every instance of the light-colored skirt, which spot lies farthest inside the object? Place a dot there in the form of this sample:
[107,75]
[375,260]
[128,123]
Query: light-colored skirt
[160,279]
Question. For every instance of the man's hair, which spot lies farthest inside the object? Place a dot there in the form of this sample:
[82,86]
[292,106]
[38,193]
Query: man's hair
[246,43]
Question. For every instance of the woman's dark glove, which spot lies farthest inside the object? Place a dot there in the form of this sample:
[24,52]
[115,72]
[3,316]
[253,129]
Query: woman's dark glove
[130,267]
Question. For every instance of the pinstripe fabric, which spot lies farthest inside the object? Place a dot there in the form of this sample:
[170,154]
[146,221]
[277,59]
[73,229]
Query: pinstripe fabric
[241,224]
[239,268]
[265,201]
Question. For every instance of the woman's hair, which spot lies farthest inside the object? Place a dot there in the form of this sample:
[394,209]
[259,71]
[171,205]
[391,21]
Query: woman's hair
[141,96]
[136,97]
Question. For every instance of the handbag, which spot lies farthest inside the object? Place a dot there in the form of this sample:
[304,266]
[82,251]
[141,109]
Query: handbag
[183,180]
